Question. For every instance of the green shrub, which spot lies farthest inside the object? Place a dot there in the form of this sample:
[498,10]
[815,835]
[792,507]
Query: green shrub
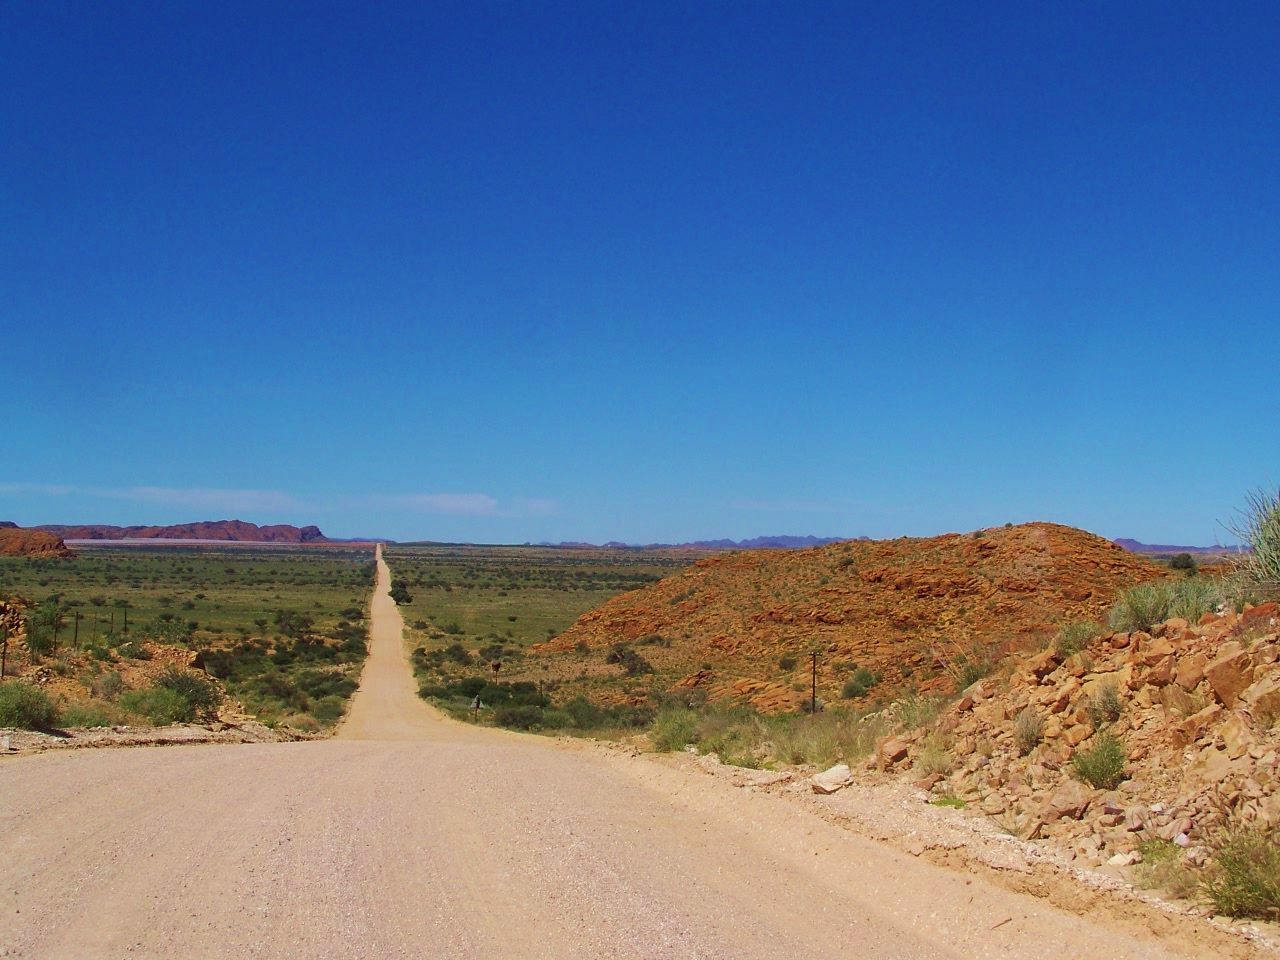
[673,728]
[631,662]
[1244,877]
[106,685]
[1164,867]
[1259,528]
[934,758]
[25,707]
[1141,606]
[199,692]
[84,715]
[1076,636]
[1138,607]
[1104,706]
[1194,597]
[787,662]
[1028,729]
[159,705]
[1184,562]
[518,716]
[859,684]
[329,709]
[1102,765]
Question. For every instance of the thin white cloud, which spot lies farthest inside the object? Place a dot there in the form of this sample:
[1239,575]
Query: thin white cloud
[461,504]
[452,504]
[197,498]
[791,506]
[213,499]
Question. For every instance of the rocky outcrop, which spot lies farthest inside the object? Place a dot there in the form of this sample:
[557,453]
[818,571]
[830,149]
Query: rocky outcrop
[19,542]
[1194,707]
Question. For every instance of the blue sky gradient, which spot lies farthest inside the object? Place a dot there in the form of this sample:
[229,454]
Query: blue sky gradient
[508,272]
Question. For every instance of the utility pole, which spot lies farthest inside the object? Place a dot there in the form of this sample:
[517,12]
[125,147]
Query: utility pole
[76,640]
[813,687]
[126,621]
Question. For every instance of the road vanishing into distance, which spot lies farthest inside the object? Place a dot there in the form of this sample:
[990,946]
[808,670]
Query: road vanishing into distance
[410,835]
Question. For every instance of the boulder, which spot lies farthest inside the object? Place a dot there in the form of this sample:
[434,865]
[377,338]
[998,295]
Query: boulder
[1069,801]
[1236,736]
[1229,676]
[1263,615]
[1190,671]
[1263,698]
[832,779]
[892,750]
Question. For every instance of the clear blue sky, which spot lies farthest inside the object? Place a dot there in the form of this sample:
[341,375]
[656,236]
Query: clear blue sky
[507,272]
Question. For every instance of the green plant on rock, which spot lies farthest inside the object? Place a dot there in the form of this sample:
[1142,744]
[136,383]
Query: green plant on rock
[1076,636]
[1140,606]
[1028,730]
[1104,706]
[1102,765]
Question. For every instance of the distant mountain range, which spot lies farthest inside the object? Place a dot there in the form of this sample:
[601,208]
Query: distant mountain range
[229,530]
[1136,546]
[754,543]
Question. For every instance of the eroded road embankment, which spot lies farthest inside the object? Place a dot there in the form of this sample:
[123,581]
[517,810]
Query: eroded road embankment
[409,835]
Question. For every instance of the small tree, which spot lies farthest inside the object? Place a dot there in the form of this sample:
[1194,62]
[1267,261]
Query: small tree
[1185,562]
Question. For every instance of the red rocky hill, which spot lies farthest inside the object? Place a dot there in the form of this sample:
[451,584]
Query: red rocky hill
[742,625]
[18,542]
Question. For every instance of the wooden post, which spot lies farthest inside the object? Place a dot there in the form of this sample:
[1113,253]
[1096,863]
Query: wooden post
[813,688]
[76,640]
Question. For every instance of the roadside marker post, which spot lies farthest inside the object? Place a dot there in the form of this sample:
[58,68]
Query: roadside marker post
[813,684]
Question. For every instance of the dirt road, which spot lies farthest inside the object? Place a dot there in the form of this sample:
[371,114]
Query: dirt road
[409,835]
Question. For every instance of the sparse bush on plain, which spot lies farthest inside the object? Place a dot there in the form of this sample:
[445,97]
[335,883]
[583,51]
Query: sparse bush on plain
[1184,562]
[26,707]
[1102,765]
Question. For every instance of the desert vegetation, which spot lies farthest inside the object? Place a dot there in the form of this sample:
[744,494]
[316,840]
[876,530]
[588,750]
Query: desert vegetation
[167,634]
